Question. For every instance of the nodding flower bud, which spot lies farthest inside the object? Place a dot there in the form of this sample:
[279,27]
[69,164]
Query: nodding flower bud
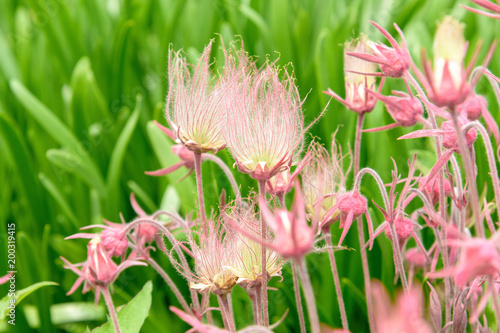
[450,135]
[448,80]
[393,61]
[264,129]
[114,241]
[101,268]
[194,103]
[433,188]
[352,205]
[404,229]
[405,110]
[280,183]
[473,107]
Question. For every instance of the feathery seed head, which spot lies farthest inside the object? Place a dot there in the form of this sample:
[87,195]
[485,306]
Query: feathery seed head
[264,125]
[194,103]
[323,180]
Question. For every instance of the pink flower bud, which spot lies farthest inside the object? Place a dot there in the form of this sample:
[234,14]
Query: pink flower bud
[404,228]
[450,135]
[352,203]
[101,269]
[114,241]
[473,107]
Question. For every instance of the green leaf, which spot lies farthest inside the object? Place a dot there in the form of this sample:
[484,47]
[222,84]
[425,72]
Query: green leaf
[20,295]
[74,164]
[131,317]
[16,146]
[59,198]
[115,164]
[58,131]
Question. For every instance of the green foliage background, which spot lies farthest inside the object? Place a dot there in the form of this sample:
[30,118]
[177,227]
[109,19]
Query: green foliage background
[72,148]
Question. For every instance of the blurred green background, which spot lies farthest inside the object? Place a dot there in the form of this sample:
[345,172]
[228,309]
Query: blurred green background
[81,82]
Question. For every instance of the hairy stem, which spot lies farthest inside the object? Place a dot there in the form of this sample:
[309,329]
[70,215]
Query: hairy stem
[399,257]
[366,275]
[469,173]
[309,295]
[298,299]
[170,283]
[265,309]
[111,307]
[357,142]
[226,170]
[336,280]
[199,187]
[491,159]
[226,313]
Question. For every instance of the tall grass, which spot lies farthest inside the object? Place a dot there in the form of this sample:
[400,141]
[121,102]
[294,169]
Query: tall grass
[81,83]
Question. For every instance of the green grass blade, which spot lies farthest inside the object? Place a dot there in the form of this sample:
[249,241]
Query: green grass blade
[115,164]
[74,164]
[58,131]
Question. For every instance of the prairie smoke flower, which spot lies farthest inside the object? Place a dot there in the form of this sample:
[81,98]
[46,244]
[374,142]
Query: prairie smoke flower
[194,103]
[351,205]
[446,85]
[283,181]
[393,62]
[264,128]
[404,316]
[323,180]
[113,239]
[404,109]
[293,237]
[432,188]
[476,106]
[246,263]
[99,271]
[212,255]
[359,78]
[186,156]
[489,5]
[481,257]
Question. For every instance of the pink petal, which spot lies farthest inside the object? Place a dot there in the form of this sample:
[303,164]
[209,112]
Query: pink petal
[165,171]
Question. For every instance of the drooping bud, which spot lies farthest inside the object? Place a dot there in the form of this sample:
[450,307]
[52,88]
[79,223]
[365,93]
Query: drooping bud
[114,241]
[450,135]
[404,228]
[473,107]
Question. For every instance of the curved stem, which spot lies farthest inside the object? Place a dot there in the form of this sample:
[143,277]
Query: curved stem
[399,257]
[226,170]
[380,183]
[366,276]
[170,283]
[265,308]
[309,295]
[336,280]
[298,299]
[361,233]
[199,188]
[469,173]
[111,307]
[491,158]
[173,241]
